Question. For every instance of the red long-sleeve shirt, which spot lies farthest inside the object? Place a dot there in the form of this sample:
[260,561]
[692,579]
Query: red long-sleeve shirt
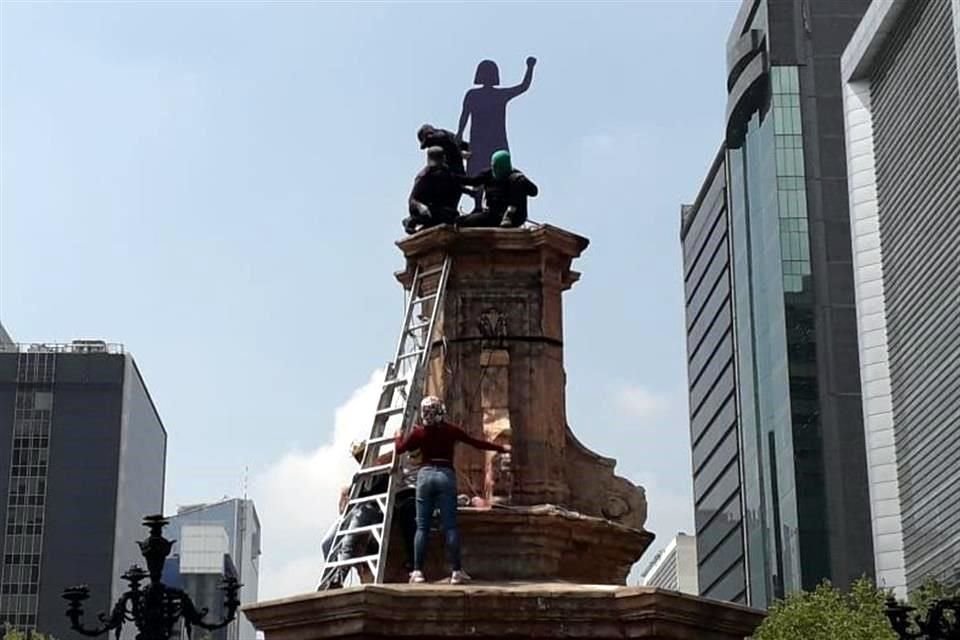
[436,443]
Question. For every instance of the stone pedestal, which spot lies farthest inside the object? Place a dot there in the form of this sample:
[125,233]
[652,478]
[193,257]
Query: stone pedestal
[533,543]
[503,303]
[550,555]
[498,364]
[537,611]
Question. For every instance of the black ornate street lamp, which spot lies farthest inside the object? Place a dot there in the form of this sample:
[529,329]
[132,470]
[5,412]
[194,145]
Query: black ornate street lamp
[941,622]
[154,607]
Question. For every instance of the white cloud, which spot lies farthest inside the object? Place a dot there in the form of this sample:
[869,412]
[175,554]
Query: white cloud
[639,402]
[296,498]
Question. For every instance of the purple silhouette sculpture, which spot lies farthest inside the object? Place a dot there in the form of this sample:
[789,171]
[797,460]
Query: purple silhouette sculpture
[486,109]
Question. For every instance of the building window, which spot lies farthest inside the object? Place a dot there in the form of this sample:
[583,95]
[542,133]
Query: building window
[26,496]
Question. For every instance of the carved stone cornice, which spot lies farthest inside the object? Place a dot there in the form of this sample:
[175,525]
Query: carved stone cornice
[528,610]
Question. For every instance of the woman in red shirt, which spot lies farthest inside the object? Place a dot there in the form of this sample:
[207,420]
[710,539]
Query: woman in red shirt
[437,481]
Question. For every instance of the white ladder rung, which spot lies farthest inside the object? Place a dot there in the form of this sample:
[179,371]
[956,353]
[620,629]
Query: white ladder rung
[411,354]
[390,411]
[370,528]
[422,299]
[380,468]
[377,497]
[431,272]
[352,561]
[372,442]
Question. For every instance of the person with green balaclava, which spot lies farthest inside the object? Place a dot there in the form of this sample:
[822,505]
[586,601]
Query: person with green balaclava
[505,192]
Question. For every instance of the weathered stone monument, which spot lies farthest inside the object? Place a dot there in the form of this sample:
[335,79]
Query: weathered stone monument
[552,531]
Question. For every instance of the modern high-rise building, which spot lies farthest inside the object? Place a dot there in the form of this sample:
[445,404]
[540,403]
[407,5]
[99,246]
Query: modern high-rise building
[234,522]
[83,461]
[780,478]
[901,72]
[674,567]
[714,433]
[198,565]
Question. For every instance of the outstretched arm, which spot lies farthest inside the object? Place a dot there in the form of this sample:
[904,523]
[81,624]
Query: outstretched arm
[513,92]
[408,442]
[472,181]
[483,445]
[523,184]
[531,188]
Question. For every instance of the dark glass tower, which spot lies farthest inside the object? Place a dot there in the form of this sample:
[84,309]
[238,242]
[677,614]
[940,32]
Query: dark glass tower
[83,462]
[791,351]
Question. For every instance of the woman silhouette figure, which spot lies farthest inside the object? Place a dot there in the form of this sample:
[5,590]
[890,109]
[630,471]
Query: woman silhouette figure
[486,109]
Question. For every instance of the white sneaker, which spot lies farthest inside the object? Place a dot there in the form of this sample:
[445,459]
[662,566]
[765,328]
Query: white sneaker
[459,577]
[416,577]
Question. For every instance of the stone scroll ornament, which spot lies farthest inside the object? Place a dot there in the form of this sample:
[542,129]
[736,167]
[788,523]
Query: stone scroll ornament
[493,325]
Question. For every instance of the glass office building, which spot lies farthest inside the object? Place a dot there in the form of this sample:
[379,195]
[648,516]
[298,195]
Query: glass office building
[800,457]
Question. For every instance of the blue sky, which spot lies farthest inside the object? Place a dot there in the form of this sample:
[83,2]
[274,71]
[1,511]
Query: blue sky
[219,185]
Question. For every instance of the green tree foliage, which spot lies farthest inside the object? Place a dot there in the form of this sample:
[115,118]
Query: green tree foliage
[828,614]
[923,597]
[9,633]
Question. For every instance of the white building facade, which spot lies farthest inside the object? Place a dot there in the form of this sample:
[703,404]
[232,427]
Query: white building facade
[901,74]
[675,567]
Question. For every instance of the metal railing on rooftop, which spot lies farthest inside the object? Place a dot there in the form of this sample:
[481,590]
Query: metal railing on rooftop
[76,346]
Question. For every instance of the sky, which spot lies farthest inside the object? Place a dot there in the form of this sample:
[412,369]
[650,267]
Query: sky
[219,186]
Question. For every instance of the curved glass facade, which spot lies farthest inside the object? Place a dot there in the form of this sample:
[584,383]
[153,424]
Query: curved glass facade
[801,452]
[776,357]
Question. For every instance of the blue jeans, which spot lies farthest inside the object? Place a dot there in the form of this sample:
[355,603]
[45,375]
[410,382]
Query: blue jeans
[364,514]
[437,487]
[327,543]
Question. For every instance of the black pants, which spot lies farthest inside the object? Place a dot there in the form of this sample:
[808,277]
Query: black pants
[405,515]
[483,218]
[438,216]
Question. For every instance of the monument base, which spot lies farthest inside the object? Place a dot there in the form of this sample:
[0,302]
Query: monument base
[533,543]
[515,610]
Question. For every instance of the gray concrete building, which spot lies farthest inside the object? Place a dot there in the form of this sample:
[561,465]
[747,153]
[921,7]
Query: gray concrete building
[779,459]
[902,118]
[202,528]
[84,455]
[198,564]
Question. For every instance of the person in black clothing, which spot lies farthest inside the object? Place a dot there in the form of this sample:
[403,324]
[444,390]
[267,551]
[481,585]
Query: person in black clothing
[367,513]
[435,195]
[455,150]
[505,190]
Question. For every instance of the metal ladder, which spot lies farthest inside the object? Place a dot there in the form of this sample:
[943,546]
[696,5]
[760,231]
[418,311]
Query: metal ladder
[400,397]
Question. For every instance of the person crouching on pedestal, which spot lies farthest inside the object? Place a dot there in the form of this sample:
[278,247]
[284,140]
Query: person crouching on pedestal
[505,190]
[436,438]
